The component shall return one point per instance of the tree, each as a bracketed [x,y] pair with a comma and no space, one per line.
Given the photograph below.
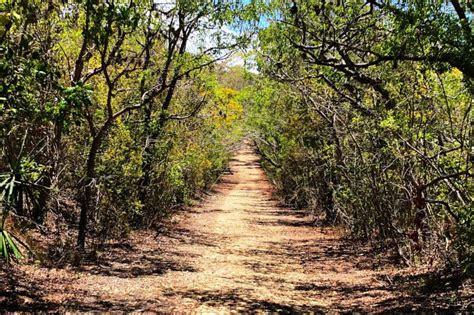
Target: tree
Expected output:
[183,26]
[373,83]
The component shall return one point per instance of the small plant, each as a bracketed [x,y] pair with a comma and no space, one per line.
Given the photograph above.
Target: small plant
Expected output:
[13,184]
[8,246]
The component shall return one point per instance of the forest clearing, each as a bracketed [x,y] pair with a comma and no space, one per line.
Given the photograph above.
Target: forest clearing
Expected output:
[237,156]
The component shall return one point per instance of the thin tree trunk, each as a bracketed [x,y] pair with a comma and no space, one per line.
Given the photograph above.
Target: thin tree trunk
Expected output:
[152,136]
[328,200]
[19,197]
[85,190]
[147,160]
[39,208]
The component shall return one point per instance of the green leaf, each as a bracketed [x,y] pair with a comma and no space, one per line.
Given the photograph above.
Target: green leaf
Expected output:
[12,186]
[13,246]
[4,246]
[1,242]
[5,181]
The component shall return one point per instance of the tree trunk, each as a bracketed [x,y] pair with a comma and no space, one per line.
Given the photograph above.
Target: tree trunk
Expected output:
[327,199]
[85,191]
[39,209]
[18,193]
[147,161]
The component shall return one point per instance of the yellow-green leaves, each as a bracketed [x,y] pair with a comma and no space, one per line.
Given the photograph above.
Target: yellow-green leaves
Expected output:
[389,122]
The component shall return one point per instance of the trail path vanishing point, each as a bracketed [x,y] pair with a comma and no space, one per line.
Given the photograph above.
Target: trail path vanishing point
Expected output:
[237,251]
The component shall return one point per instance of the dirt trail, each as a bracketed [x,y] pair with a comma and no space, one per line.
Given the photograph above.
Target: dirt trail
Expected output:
[237,251]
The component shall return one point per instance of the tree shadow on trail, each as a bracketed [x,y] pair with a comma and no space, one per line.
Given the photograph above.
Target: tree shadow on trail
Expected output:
[129,264]
[243,302]
[439,291]
[289,212]
[330,253]
[16,288]
[21,293]
[17,303]
[246,164]
[149,255]
[145,255]
[287,222]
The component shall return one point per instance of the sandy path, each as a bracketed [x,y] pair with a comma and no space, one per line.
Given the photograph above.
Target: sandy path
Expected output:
[264,257]
[236,252]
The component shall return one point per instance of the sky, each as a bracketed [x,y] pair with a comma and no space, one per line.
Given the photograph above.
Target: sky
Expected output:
[206,39]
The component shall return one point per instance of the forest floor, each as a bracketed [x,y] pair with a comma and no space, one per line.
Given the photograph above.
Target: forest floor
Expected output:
[237,251]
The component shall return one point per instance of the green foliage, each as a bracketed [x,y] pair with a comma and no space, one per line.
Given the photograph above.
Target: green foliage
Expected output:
[8,247]
[105,107]
[122,111]
[370,121]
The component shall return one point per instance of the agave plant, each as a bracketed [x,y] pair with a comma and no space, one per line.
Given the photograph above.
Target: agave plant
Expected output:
[13,183]
[8,243]
[8,246]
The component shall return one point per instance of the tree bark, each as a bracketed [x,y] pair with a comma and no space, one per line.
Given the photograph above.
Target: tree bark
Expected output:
[85,189]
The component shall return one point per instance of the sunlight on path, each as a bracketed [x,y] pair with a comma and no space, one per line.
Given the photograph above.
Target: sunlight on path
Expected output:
[237,251]
[249,254]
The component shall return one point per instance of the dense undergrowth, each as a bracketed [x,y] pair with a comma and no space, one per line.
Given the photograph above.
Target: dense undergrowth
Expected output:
[112,113]
[365,113]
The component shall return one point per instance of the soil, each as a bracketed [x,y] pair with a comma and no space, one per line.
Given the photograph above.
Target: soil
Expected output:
[237,251]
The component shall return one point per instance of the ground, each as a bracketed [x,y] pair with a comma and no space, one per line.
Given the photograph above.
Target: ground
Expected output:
[237,251]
